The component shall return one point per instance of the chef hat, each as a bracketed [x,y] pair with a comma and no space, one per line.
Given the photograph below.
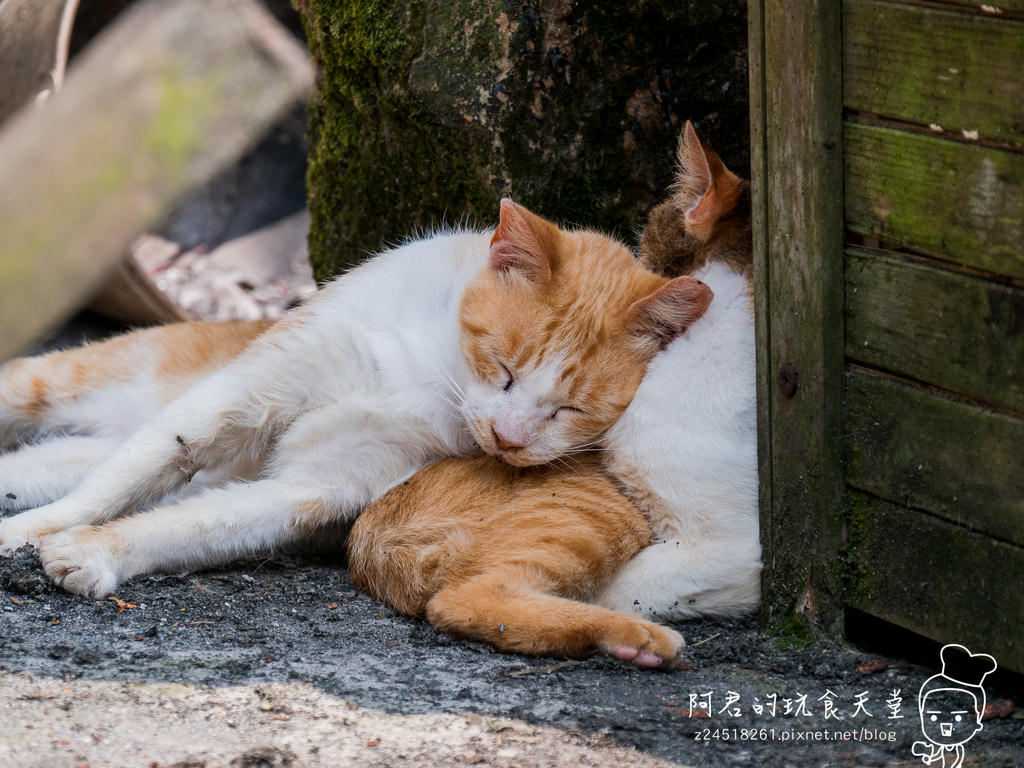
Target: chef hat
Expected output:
[961,669]
[964,667]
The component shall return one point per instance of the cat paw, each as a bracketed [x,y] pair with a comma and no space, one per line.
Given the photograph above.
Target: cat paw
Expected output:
[14,535]
[642,643]
[80,560]
[31,526]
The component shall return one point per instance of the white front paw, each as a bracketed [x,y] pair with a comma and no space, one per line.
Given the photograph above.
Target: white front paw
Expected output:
[80,560]
[29,527]
[15,534]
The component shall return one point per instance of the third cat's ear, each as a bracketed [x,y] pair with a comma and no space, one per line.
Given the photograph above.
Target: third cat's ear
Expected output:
[710,188]
[670,310]
[523,243]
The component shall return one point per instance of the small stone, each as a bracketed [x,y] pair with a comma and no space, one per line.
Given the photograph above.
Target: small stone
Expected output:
[872,666]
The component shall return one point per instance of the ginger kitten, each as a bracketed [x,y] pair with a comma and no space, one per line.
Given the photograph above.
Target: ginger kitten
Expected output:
[424,352]
[510,557]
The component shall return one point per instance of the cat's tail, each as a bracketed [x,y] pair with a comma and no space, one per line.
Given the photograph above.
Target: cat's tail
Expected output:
[120,381]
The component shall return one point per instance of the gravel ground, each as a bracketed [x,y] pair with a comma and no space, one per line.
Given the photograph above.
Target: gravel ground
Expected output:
[283,663]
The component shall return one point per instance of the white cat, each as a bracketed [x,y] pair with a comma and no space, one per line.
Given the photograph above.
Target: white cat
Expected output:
[685,449]
[399,363]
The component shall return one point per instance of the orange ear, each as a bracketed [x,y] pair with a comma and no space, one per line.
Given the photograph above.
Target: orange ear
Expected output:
[523,242]
[671,309]
[703,177]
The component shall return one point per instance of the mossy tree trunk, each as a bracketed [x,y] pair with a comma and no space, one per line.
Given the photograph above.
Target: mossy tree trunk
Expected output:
[429,111]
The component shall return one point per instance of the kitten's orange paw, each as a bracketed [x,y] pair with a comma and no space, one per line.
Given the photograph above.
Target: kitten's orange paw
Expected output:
[643,643]
[80,561]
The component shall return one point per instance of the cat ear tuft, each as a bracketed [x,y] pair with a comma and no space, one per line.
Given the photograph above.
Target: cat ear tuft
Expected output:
[522,243]
[702,179]
[693,174]
[671,309]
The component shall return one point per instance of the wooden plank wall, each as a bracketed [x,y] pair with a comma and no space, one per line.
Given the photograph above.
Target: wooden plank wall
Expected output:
[933,135]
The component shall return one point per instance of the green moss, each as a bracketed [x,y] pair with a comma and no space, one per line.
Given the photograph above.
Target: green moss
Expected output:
[178,127]
[794,631]
[857,576]
[429,112]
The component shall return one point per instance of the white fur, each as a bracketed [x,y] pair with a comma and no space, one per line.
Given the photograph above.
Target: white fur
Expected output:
[38,474]
[338,404]
[685,451]
[523,412]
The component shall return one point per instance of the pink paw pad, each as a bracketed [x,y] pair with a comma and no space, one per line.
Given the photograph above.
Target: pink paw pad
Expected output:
[625,653]
[647,660]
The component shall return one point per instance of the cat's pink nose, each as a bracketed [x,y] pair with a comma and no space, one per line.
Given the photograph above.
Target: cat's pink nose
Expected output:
[503,442]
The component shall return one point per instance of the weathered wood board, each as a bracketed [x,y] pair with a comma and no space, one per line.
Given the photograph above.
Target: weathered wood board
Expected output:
[937,579]
[798,273]
[762,313]
[160,102]
[924,450]
[944,198]
[918,64]
[998,8]
[953,330]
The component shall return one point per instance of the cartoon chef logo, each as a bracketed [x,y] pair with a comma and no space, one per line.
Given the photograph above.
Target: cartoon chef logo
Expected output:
[951,704]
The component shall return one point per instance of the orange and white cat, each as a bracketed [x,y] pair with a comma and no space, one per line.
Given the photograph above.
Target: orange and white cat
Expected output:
[513,557]
[527,343]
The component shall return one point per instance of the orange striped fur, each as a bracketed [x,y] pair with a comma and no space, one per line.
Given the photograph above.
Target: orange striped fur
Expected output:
[505,555]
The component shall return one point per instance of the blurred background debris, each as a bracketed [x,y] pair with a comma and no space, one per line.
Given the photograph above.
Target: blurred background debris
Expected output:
[234,247]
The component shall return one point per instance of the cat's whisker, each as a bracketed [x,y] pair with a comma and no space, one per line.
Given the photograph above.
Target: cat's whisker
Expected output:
[451,408]
[454,405]
[597,441]
[567,465]
[449,379]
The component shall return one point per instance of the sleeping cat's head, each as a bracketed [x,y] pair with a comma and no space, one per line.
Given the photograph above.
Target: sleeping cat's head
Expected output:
[558,331]
[705,218]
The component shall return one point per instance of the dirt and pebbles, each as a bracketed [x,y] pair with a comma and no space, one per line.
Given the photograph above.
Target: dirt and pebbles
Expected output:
[281,663]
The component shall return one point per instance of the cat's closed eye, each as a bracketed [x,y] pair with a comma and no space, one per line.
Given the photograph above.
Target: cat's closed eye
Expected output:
[565,410]
[509,378]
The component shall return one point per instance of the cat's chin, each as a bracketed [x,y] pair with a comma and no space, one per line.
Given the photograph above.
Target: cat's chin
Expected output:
[518,458]
[504,458]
